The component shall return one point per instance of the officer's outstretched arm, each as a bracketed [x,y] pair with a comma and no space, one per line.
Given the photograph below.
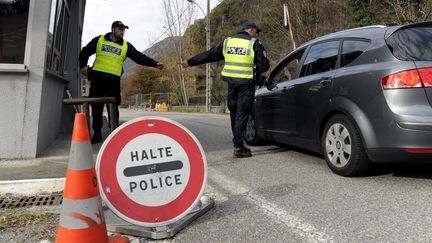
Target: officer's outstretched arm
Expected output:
[140,58]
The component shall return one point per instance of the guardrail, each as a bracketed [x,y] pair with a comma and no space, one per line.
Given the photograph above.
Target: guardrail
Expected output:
[199,108]
[191,108]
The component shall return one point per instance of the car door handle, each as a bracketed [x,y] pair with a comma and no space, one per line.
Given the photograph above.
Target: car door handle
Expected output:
[325,81]
[287,88]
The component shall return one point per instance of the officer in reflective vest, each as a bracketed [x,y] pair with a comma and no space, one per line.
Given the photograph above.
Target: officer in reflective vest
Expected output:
[245,60]
[111,51]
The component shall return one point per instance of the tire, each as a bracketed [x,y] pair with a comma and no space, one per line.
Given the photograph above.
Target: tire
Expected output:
[342,147]
[251,134]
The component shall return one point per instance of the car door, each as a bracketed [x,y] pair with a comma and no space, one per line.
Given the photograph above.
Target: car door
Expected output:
[285,75]
[266,106]
[312,91]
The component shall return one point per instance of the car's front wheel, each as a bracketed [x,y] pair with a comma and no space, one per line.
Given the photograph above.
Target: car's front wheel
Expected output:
[251,136]
[343,148]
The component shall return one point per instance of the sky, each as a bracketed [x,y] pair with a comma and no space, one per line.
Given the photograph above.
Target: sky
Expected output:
[144,18]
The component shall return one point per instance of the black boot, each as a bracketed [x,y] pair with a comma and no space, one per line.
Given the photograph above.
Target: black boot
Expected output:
[97,137]
[242,152]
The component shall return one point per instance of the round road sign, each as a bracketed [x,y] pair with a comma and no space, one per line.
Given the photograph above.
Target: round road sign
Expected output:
[151,171]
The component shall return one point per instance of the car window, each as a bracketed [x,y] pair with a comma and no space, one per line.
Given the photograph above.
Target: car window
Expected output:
[411,44]
[322,57]
[288,69]
[351,49]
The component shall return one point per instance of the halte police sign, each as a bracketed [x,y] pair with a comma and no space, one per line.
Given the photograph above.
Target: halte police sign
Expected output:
[152,171]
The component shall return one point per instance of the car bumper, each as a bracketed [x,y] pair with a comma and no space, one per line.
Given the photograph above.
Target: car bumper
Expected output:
[405,155]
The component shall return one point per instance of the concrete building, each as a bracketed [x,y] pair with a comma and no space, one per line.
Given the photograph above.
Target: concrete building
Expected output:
[40,41]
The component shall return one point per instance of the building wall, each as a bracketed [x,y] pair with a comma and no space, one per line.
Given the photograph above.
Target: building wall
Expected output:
[31,100]
[12,105]
[53,86]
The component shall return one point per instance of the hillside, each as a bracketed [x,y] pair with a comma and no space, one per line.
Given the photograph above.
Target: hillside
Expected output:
[310,19]
[155,52]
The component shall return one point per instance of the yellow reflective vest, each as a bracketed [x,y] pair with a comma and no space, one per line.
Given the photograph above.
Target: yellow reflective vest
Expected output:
[110,56]
[239,58]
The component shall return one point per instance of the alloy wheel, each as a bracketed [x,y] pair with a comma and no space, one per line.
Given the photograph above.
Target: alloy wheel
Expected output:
[250,129]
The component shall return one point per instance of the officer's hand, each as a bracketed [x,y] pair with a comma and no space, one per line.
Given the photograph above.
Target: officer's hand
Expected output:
[84,71]
[270,86]
[185,64]
[159,65]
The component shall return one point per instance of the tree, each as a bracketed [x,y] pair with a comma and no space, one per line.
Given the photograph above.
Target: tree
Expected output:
[362,13]
[408,11]
[178,15]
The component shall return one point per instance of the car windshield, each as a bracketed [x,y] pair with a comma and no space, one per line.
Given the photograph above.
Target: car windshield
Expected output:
[412,44]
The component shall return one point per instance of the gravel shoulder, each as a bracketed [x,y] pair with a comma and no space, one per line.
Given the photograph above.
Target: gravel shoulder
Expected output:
[29,224]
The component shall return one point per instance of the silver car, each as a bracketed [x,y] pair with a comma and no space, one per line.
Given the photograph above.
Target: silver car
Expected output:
[357,96]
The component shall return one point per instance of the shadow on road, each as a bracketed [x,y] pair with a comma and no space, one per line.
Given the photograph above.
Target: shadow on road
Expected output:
[408,170]
[271,150]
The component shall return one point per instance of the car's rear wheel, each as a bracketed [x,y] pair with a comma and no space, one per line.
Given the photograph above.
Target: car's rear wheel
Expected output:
[343,148]
[251,136]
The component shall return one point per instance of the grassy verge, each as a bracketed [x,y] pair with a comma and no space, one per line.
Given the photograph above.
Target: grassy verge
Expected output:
[25,225]
[20,218]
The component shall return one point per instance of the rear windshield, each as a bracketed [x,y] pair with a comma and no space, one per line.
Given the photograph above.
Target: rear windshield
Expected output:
[412,44]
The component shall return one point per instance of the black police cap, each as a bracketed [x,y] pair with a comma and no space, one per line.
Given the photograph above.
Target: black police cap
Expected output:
[250,25]
[119,24]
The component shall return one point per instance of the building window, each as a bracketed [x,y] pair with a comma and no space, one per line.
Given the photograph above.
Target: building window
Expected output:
[58,36]
[13,30]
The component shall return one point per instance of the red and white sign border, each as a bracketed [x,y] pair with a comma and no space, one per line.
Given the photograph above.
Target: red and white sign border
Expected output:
[109,141]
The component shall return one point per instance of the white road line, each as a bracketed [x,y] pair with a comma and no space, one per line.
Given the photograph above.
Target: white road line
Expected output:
[301,228]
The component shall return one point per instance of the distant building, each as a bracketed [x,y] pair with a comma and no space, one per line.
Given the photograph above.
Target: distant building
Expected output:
[40,41]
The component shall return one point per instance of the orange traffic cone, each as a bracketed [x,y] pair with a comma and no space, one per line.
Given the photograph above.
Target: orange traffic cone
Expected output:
[82,218]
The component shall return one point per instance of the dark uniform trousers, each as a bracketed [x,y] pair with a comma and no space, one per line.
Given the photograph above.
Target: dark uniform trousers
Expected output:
[102,87]
[240,101]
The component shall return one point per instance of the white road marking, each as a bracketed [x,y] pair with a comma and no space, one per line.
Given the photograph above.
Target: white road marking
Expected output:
[301,228]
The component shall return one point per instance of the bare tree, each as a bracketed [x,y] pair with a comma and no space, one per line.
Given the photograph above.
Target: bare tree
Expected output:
[410,11]
[178,16]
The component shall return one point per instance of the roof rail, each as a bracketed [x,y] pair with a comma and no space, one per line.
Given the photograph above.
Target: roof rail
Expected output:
[361,28]
[342,31]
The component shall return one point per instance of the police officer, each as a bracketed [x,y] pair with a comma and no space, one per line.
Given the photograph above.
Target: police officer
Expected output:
[245,60]
[111,51]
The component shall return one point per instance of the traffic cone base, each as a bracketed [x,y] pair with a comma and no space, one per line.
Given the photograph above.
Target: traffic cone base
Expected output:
[118,239]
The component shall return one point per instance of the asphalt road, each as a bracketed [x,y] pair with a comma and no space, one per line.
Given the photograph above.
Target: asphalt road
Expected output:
[283,194]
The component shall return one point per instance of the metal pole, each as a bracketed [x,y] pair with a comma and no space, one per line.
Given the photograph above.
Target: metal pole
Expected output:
[208,67]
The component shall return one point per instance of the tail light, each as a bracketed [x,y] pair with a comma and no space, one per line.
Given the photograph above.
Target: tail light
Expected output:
[419,150]
[415,78]
[426,76]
